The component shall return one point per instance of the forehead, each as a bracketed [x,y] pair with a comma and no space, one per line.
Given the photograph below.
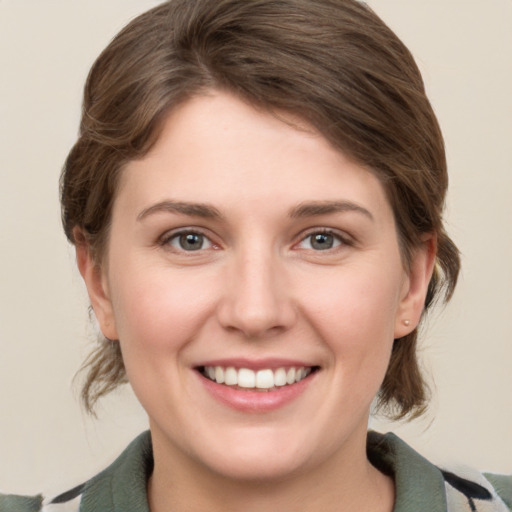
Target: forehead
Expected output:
[218,149]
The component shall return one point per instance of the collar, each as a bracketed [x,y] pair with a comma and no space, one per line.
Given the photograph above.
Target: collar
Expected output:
[419,485]
[122,486]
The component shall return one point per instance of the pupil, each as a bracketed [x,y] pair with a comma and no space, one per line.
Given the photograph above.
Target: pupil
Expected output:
[322,241]
[191,241]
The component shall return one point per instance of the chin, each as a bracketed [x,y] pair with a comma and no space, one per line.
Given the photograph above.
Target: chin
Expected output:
[259,469]
[257,457]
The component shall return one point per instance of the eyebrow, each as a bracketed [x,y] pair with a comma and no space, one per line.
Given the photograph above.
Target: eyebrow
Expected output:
[315,208]
[308,209]
[192,209]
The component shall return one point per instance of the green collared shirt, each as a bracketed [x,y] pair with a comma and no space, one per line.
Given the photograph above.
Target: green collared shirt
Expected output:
[420,486]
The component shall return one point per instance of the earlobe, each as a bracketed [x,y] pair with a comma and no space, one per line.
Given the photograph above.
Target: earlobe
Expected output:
[416,286]
[97,289]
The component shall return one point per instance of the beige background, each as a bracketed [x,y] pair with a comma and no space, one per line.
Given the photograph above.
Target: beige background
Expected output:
[46,47]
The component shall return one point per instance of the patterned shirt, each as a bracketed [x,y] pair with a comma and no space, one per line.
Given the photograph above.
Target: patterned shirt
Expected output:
[420,486]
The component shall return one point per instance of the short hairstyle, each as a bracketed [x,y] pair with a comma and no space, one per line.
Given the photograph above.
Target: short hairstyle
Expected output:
[333,63]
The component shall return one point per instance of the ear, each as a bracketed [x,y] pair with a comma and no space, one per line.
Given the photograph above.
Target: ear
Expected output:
[415,287]
[97,288]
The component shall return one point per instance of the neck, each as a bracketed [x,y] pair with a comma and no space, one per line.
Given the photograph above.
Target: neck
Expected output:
[334,486]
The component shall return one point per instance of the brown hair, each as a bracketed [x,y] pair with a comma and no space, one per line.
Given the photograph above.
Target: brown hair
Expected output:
[332,62]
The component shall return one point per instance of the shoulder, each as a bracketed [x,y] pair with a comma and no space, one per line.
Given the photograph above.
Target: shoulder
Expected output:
[422,486]
[66,502]
[477,491]
[119,488]
[15,503]
[503,486]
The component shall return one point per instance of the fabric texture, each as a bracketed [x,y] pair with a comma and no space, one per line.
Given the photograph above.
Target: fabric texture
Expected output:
[420,486]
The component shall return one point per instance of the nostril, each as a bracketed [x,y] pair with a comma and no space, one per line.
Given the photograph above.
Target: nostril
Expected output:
[256,300]
[256,325]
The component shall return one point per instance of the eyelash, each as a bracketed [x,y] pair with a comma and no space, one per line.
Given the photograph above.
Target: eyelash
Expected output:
[338,240]
[165,241]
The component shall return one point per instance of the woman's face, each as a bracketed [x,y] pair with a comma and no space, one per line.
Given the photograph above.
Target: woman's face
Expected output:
[246,249]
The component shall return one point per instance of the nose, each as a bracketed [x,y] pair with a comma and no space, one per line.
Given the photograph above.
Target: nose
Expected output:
[257,299]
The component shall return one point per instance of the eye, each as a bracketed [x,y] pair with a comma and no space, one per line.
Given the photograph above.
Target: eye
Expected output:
[188,241]
[321,241]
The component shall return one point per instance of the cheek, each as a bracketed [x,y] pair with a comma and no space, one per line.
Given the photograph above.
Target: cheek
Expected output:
[354,315]
[160,311]
[353,304]
[157,315]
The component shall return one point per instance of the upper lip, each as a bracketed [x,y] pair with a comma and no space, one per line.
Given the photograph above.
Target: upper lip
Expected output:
[256,364]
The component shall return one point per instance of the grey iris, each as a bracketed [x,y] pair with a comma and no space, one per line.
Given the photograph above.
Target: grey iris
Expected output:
[322,241]
[191,241]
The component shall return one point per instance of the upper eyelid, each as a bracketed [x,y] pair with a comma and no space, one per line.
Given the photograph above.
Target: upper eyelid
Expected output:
[342,235]
[172,233]
[184,229]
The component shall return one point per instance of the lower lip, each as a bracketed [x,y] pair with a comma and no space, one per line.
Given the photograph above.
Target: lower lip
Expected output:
[256,401]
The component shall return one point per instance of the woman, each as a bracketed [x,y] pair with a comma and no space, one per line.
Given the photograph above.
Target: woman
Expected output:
[255,199]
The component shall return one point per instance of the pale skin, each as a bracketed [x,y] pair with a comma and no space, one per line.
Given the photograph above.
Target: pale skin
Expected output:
[243,237]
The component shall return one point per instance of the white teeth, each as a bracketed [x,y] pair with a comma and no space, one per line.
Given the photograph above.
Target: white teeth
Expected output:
[246,378]
[261,379]
[265,379]
[290,376]
[231,376]
[280,377]
[219,374]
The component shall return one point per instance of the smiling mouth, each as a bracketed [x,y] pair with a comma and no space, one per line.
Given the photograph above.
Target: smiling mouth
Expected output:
[260,380]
